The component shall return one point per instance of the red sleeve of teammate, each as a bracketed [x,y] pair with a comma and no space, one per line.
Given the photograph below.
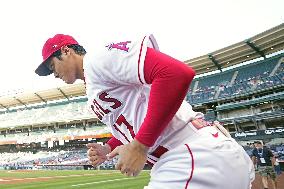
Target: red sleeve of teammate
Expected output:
[170,79]
[113,143]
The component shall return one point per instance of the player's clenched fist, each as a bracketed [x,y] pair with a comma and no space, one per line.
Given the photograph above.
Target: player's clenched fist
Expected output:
[97,153]
[132,158]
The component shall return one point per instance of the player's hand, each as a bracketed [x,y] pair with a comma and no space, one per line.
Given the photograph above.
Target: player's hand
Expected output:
[97,153]
[132,158]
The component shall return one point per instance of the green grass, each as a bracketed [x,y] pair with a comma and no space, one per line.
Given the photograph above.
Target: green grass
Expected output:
[82,179]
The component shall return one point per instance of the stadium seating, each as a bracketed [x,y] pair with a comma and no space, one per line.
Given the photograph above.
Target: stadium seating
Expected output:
[264,68]
[250,77]
[48,114]
[201,96]
[220,79]
[60,134]
[271,81]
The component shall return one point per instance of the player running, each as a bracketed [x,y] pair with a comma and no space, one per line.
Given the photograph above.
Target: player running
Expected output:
[139,93]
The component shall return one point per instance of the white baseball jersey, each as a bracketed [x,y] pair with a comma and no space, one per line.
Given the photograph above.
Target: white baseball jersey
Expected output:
[118,95]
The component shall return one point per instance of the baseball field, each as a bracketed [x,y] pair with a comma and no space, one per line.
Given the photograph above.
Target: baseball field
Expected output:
[83,179]
[41,179]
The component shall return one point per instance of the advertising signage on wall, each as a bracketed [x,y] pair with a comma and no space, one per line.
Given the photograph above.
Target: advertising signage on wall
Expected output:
[267,132]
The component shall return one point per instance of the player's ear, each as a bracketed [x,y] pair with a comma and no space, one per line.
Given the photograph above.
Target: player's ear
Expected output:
[65,50]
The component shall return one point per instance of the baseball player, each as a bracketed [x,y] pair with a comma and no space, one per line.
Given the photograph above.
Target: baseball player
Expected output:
[139,93]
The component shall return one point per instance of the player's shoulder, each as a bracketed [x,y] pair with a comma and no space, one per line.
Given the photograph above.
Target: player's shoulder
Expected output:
[116,53]
[125,41]
[116,47]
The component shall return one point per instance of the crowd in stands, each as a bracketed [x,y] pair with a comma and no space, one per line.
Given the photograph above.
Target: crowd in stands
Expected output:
[255,76]
[29,160]
[41,136]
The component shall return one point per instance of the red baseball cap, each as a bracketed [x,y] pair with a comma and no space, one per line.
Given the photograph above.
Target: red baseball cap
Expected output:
[52,45]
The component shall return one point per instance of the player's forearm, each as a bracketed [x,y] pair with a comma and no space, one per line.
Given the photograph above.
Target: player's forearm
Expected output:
[170,80]
[113,143]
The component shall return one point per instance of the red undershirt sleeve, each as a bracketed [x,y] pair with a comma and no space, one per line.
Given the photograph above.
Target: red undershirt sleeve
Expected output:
[113,143]
[170,79]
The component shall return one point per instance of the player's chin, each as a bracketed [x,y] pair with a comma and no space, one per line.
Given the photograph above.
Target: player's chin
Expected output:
[69,81]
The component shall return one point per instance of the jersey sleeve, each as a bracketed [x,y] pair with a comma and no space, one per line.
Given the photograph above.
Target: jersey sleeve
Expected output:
[113,143]
[162,71]
[122,62]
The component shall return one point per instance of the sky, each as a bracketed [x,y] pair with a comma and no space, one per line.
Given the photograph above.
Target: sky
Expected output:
[184,29]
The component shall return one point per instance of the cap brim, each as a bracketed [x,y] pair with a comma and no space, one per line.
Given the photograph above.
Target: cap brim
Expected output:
[42,70]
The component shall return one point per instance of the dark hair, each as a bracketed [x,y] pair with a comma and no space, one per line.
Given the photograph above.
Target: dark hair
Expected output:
[258,142]
[77,48]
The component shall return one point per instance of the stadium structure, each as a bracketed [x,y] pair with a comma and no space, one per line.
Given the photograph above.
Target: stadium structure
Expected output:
[241,86]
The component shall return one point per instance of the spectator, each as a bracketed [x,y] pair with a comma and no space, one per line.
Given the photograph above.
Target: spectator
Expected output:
[265,160]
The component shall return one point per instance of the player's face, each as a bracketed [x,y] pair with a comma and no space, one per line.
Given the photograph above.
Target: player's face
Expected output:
[65,68]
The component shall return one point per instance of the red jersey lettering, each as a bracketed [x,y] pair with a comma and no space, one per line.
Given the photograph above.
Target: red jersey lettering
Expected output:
[106,111]
[104,97]
[122,121]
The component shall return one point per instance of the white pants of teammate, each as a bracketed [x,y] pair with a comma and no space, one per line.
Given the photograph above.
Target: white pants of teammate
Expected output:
[205,162]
